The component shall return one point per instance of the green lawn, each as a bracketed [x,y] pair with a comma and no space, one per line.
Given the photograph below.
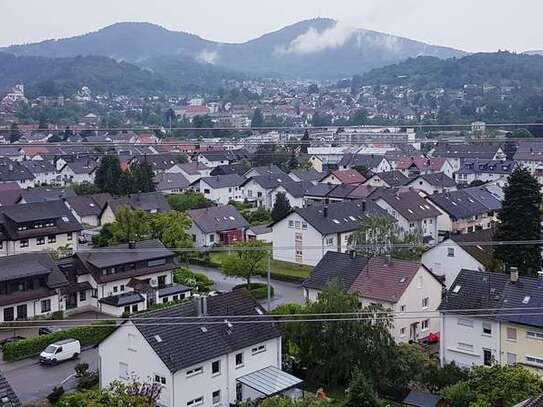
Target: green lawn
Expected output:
[280,270]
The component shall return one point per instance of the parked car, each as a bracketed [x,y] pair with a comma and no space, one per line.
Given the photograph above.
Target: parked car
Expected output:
[60,351]
[10,340]
[46,330]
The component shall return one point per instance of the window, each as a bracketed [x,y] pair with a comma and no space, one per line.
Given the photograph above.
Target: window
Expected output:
[450,251]
[420,282]
[425,324]
[206,191]
[297,224]
[402,332]
[511,334]
[425,302]
[121,287]
[115,289]
[456,288]
[82,296]
[532,360]
[299,237]
[123,370]
[132,342]
[157,262]
[135,308]
[291,224]
[193,238]
[402,308]
[465,322]
[239,359]
[534,335]
[127,309]
[196,402]
[329,241]
[165,300]
[23,243]
[45,305]
[487,328]
[487,357]
[258,349]
[216,367]
[216,396]
[304,225]
[175,298]
[212,238]
[40,241]
[465,346]
[195,371]
[511,359]
[52,238]
[69,236]
[160,379]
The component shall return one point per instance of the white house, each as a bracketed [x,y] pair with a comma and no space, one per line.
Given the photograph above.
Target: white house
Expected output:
[259,189]
[44,171]
[224,358]
[388,179]
[79,171]
[221,224]
[433,183]
[14,171]
[306,234]
[485,171]
[295,192]
[458,252]
[399,285]
[192,171]
[372,162]
[221,189]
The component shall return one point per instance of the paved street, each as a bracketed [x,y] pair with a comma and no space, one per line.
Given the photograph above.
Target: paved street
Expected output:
[285,292]
[33,382]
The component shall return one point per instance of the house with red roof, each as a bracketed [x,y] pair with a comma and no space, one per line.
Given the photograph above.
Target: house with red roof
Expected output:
[415,166]
[349,177]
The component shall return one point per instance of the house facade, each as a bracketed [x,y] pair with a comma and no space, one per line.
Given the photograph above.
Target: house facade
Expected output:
[219,225]
[221,189]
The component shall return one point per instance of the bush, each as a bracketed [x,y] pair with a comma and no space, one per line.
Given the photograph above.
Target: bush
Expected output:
[81,369]
[56,394]
[259,291]
[198,281]
[88,380]
[86,335]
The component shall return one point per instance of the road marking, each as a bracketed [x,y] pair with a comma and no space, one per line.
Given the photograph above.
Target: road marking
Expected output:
[68,378]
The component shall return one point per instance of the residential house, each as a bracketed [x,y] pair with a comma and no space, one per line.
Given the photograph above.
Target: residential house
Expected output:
[414,215]
[37,226]
[485,171]
[45,173]
[456,153]
[160,163]
[500,336]
[306,234]
[227,169]
[261,232]
[371,162]
[221,189]
[40,194]
[310,175]
[295,192]
[259,189]
[350,177]
[30,286]
[192,171]
[529,155]
[14,171]
[125,278]
[171,182]
[87,209]
[228,362]
[465,210]
[78,171]
[214,158]
[433,183]
[415,166]
[264,170]
[318,193]
[217,225]
[399,285]
[151,202]
[387,179]
[470,251]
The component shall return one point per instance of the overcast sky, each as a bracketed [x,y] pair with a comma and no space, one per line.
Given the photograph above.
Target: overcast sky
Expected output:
[471,25]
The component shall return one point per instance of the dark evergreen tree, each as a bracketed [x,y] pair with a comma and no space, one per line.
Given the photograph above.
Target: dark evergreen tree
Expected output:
[108,174]
[124,186]
[258,118]
[14,133]
[306,142]
[281,208]
[520,220]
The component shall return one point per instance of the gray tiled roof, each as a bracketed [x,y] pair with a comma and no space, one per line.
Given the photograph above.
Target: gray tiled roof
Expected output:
[483,253]
[393,178]
[82,166]
[335,267]
[267,170]
[363,160]
[87,205]
[148,201]
[31,264]
[13,171]
[410,205]
[121,300]
[224,181]
[297,189]
[217,218]
[437,179]
[181,346]
[7,393]
[462,204]
[39,166]
[494,292]
[308,175]
[44,194]
[481,150]
[319,190]
[193,168]
[174,289]
[170,180]
[529,151]
[486,166]
[270,181]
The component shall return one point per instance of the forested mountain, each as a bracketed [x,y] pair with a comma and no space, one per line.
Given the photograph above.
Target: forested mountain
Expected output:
[497,69]
[319,49]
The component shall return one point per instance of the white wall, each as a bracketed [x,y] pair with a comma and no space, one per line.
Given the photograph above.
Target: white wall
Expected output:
[453,333]
[33,307]
[221,195]
[14,246]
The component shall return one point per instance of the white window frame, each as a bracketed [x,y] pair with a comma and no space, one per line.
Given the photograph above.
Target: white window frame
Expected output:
[198,401]
[195,371]
[465,322]
[123,371]
[258,349]
[242,360]
[425,302]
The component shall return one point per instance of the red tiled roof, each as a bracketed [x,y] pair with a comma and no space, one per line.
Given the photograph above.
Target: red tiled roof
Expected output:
[385,282]
[349,176]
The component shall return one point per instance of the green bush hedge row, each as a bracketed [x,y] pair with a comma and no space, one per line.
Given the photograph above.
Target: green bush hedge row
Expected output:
[259,291]
[87,335]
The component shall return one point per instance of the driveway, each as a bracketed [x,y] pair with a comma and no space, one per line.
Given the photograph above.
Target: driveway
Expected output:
[33,382]
[284,292]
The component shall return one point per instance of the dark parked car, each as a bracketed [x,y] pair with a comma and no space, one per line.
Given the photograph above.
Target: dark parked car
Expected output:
[10,340]
[46,330]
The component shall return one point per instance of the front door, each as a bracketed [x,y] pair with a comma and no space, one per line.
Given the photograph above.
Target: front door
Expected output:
[9,315]
[414,331]
[21,312]
[71,301]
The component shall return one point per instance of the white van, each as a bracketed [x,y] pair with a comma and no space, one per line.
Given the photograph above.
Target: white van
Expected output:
[61,350]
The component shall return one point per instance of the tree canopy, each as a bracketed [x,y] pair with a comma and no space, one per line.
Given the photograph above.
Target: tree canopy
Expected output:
[247,261]
[281,207]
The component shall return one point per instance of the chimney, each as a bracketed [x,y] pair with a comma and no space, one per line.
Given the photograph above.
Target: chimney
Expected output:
[325,211]
[514,275]
[203,302]
[131,244]
[200,305]
[388,260]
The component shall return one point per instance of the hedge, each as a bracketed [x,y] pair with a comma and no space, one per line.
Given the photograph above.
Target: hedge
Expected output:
[259,291]
[87,335]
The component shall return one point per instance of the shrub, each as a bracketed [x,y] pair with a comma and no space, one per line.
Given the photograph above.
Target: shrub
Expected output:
[81,369]
[56,394]
[86,335]
[88,381]
[57,315]
[198,281]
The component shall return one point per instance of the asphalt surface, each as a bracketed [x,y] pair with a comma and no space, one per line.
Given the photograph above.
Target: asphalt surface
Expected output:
[32,382]
[284,292]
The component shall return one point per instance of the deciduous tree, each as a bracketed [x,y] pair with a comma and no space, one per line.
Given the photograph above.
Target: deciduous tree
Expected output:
[247,261]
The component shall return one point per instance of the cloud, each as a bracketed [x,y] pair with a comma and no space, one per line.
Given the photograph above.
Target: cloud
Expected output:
[313,41]
[208,57]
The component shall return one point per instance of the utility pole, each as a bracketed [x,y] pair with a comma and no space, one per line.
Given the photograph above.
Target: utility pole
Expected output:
[269,280]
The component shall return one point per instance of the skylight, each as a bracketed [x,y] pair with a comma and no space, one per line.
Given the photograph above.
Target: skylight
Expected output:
[457,288]
[335,221]
[65,219]
[158,338]
[203,329]
[231,218]
[526,300]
